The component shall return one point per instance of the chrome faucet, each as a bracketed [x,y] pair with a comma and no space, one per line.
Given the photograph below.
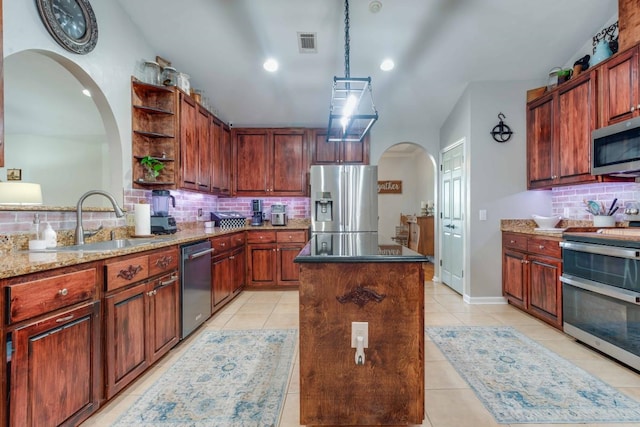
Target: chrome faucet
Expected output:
[80,233]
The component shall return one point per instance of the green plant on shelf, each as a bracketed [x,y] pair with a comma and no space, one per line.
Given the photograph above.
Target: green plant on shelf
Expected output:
[153,166]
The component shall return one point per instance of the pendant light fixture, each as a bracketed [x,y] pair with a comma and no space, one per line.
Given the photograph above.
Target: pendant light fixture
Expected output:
[352,111]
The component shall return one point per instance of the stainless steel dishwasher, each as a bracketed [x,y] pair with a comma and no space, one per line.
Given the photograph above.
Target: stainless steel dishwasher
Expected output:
[195,275]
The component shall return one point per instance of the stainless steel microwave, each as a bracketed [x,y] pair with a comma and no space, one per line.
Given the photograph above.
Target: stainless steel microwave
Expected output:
[615,149]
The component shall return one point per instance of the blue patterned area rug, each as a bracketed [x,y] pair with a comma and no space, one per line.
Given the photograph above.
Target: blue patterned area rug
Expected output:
[225,378]
[519,381]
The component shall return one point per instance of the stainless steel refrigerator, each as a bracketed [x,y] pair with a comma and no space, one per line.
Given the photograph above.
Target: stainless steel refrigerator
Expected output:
[344,199]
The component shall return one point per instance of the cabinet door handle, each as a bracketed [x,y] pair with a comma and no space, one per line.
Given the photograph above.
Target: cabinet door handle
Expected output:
[63,291]
[64,319]
[633,108]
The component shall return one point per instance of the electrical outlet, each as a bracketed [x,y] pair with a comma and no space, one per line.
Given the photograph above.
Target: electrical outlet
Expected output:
[131,220]
[359,329]
[199,212]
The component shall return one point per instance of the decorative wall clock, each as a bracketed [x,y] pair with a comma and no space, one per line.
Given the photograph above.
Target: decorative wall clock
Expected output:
[71,23]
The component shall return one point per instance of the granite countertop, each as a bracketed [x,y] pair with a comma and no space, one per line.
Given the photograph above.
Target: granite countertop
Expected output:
[355,247]
[529,226]
[22,262]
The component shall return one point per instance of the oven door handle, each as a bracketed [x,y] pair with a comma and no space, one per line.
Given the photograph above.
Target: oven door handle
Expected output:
[599,288]
[601,250]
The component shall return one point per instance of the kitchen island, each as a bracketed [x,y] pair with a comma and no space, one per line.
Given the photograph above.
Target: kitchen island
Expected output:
[355,277]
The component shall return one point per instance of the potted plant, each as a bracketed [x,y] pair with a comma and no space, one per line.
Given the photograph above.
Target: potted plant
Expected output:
[153,167]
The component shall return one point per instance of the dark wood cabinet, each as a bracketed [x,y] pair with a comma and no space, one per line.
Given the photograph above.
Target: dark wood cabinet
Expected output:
[221,158]
[559,129]
[222,276]
[142,316]
[55,369]
[270,162]
[227,268]
[270,256]
[195,145]
[619,89]
[331,153]
[53,331]
[154,133]
[531,270]
[203,134]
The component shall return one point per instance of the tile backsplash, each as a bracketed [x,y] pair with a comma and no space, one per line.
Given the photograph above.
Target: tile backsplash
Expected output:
[568,202]
[188,205]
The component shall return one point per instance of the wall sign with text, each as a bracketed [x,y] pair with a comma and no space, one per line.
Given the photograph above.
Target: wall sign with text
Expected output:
[389,187]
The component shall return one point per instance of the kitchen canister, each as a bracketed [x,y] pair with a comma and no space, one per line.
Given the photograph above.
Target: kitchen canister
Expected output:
[183,82]
[151,72]
[604,221]
[169,76]
[602,52]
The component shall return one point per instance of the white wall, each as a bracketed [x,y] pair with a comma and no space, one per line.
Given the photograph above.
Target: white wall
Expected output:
[64,158]
[417,175]
[106,70]
[495,176]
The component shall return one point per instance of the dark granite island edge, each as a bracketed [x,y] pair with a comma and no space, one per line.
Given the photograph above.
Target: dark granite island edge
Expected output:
[355,248]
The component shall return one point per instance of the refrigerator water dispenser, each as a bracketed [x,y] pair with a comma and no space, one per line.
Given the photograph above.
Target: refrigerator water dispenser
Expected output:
[324,207]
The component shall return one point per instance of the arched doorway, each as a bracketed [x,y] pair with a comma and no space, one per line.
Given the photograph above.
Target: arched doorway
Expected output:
[416,169]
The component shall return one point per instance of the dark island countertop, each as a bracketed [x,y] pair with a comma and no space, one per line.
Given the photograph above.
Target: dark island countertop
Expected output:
[355,247]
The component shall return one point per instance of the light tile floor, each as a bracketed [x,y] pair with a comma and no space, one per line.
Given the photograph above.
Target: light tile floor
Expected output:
[449,400]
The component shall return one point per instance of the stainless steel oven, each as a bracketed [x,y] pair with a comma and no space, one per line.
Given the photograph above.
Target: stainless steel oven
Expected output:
[601,295]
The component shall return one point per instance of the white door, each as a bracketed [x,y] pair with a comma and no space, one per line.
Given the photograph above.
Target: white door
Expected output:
[452,216]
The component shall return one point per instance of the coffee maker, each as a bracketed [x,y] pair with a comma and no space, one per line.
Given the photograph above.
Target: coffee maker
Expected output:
[256,212]
[161,222]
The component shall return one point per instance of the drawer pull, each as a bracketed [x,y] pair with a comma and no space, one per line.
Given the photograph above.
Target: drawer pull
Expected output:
[512,241]
[64,319]
[63,291]
[222,244]
[164,261]
[130,272]
[541,247]
[170,281]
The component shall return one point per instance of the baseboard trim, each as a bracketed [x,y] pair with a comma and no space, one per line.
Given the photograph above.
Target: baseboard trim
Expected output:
[484,300]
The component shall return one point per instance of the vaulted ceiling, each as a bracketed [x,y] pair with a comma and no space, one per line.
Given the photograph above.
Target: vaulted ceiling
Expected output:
[438,46]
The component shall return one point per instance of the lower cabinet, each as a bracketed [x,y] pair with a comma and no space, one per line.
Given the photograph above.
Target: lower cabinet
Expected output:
[54,366]
[270,256]
[227,268]
[142,319]
[531,270]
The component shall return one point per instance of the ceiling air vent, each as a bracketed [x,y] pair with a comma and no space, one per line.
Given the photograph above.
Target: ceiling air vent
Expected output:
[307,43]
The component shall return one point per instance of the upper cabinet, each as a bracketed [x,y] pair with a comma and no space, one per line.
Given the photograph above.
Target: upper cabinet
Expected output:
[620,95]
[270,162]
[195,145]
[332,153]
[559,129]
[154,133]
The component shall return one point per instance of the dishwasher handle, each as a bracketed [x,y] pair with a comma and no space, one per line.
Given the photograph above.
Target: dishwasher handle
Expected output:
[201,253]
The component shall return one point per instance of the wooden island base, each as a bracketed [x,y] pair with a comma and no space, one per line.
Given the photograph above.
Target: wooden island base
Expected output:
[388,389]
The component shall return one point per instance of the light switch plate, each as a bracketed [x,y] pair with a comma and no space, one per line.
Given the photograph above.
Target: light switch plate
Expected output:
[359,329]
[131,220]
[483,214]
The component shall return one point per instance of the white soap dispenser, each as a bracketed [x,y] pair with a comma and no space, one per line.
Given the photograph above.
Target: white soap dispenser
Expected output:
[50,236]
[36,240]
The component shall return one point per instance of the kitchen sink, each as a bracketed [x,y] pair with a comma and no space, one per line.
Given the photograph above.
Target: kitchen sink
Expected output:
[107,245]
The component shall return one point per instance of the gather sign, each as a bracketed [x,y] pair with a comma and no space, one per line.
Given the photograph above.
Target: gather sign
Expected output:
[389,187]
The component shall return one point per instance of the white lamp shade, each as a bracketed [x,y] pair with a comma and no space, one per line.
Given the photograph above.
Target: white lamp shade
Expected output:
[20,193]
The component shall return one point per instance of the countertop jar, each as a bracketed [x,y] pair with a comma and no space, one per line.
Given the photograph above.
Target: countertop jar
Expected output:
[169,76]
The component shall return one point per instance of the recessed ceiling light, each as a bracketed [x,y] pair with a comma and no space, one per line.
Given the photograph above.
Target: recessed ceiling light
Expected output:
[270,65]
[387,65]
[86,92]
[375,6]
